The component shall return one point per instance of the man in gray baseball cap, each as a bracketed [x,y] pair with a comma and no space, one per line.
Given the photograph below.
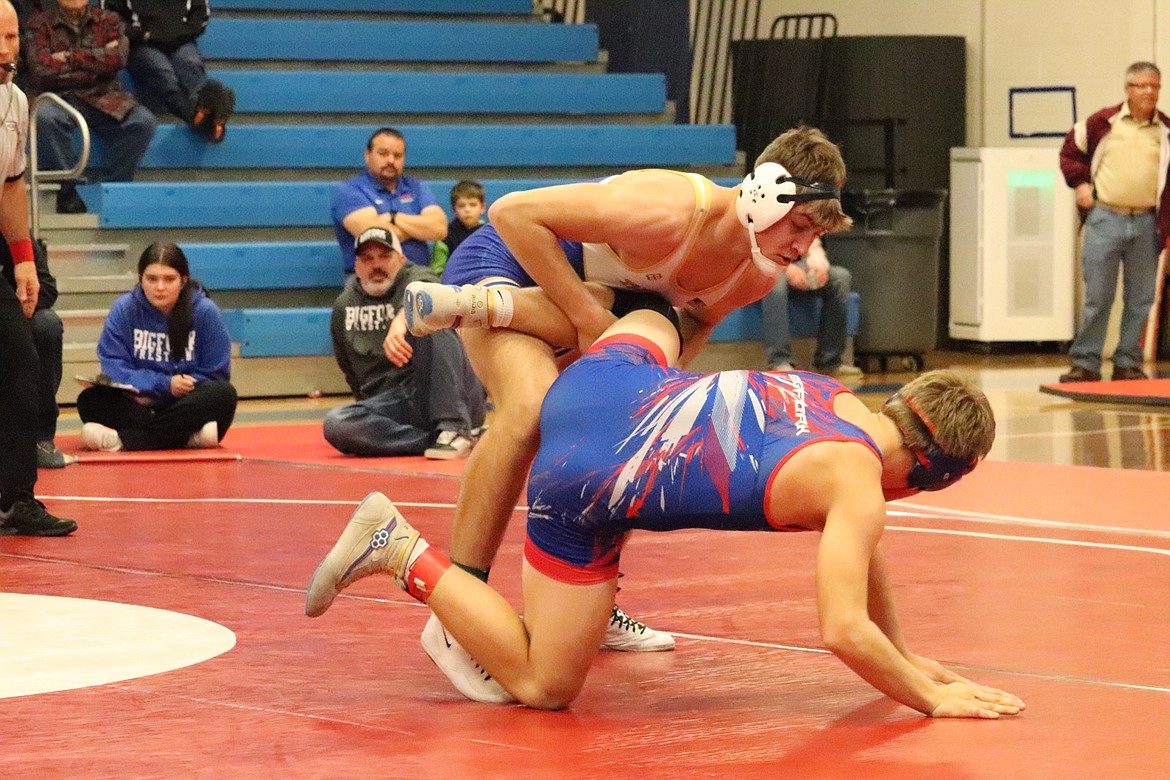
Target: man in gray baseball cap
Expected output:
[414,395]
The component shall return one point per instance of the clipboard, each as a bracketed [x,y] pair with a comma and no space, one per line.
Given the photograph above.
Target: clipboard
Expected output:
[101,380]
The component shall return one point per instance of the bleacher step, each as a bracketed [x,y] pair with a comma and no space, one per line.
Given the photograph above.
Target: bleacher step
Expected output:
[447,146]
[517,7]
[403,93]
[418,41]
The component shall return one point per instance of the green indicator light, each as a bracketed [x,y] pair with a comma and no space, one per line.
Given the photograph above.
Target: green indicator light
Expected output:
[1031,179]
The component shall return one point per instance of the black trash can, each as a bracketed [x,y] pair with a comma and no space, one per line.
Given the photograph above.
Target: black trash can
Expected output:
[893,253]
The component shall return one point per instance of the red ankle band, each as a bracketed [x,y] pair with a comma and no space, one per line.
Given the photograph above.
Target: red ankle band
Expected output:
[423,575]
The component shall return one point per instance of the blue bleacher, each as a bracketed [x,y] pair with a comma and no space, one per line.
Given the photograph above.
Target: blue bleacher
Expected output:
[518,7]
[266,265]
[254,31]
[744,324]
[446,146]
[407,92]
[305,331]
[233,204]
[411,41]
[280,332]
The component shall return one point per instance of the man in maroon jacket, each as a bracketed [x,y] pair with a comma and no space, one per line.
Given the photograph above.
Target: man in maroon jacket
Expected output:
[76,51]
[1116,160]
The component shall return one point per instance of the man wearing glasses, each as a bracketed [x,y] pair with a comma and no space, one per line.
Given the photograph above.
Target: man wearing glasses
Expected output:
[1116,160]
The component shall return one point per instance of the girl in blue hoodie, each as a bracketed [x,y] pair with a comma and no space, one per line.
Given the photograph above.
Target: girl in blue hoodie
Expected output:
[166,345]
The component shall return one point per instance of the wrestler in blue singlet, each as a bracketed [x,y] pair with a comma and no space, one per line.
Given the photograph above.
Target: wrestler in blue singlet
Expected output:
[483,255]
[629,443]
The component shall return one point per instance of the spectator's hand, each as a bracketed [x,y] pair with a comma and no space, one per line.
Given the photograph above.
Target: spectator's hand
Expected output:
[820,273]
[112,44]
[1084,193]
[397,348]
[59,56]
[797,276]
[182,384]
[28,287]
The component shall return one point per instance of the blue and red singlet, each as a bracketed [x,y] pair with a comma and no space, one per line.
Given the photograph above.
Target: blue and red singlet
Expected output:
[629,443]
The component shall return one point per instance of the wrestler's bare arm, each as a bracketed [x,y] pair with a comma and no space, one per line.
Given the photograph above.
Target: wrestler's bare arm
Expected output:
[642,214]
[854,521]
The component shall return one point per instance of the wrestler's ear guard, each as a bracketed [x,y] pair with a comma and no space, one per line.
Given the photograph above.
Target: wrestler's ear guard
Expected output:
[769,192]
[766,196]
[934,469]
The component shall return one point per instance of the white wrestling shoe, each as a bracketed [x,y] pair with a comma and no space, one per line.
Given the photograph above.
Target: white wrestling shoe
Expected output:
[431,307]
[631,636]
[468,677]
[377,540]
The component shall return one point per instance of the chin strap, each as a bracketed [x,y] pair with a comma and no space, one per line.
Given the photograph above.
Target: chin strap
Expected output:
[767,265]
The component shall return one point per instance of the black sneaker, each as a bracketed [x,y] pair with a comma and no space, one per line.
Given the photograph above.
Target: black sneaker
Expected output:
[30,518]
[69,202]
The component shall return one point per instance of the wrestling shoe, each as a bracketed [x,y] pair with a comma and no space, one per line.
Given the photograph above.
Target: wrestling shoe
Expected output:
[376,540]
[468,677]
[206,438]
[95,436]
[631,636]
[431,307]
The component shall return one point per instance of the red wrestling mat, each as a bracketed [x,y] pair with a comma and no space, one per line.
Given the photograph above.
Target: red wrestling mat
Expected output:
[301,443]
[1152,392]
[1046,580]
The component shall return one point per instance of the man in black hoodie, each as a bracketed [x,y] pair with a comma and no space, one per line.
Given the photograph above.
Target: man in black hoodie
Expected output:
[166,65]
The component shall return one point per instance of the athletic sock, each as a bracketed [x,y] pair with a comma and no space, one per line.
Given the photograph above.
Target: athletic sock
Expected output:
[479,574]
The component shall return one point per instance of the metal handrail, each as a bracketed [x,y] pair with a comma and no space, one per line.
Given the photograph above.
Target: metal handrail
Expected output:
[36,175]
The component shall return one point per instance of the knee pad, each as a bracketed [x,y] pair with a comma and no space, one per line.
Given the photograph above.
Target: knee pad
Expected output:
[626,301]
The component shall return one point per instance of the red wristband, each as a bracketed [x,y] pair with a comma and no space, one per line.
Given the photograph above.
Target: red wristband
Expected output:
[22,251]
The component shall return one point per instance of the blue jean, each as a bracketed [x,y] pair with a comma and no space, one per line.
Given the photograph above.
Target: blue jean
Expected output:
[1114,241]
[167,82]
[442,394]
[48,335]
[123,143]
[831,333]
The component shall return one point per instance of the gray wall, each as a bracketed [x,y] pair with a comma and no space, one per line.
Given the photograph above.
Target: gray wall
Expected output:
[1085,44]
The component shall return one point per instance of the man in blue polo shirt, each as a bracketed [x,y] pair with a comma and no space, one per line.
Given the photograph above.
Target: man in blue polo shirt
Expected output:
[381,196]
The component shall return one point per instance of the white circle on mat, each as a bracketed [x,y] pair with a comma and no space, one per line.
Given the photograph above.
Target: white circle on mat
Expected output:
[51,643]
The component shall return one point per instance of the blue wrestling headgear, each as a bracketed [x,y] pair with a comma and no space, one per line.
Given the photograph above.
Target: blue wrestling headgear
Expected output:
[935,469]
[766,196]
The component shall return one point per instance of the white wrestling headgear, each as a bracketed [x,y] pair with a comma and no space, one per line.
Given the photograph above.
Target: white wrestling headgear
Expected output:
[766,196]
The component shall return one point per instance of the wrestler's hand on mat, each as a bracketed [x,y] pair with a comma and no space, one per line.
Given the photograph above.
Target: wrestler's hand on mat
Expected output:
[964,698]
[970,700]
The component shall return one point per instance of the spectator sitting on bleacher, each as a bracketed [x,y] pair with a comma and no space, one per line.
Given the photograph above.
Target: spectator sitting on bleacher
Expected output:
[166,357]
[811,275]
[415,395]
[76,51]
[381,196]
[166,66]
[468,201]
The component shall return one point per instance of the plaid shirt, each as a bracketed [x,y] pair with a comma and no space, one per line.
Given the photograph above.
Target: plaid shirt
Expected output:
[90,70]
